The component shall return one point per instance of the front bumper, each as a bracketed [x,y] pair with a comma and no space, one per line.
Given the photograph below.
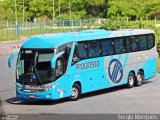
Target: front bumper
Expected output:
[47,95]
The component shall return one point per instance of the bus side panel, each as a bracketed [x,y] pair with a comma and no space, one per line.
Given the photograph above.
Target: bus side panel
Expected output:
[116,69]
[61,87]
[111,70]
[149,65]
[149,68]
[82,78]
[90,73]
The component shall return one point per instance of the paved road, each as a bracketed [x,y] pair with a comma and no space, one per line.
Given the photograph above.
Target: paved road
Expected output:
[144,99]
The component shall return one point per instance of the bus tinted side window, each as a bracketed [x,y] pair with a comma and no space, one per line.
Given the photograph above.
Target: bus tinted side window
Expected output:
[119,45]
[66,47]
[80,52]
[134,46]
[62,61]
[107,47]
[127,45]
[142,43]
[94,49]
[151,41]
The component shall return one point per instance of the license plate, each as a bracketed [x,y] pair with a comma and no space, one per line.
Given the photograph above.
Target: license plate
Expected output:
[32,96]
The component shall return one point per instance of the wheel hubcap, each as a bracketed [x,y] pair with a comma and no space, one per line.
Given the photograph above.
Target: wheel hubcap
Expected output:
[74,92]
[131,80]
[139,78]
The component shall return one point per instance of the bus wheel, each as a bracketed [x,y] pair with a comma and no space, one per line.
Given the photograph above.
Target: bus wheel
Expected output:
[76,92]
[140,78]
[131,80]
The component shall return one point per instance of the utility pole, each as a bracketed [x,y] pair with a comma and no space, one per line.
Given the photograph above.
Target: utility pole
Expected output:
[70,12]
[23,11]
[16,28]
[59,8]
[15,11]
[53,15]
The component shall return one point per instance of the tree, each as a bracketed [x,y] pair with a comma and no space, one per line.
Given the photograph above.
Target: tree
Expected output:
[80,9]
[96,8]
[151,9]
[124,8]
[41,9]
[134,9]
[6,8]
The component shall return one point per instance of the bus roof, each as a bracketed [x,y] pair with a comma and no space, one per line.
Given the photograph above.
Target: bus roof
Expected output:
[55,40]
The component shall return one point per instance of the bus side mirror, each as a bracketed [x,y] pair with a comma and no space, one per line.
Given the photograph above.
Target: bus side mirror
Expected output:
[54,59]
[11,58]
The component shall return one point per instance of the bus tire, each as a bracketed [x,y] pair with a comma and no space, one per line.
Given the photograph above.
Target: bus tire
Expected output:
[139,79]
[76,92]
[131,80]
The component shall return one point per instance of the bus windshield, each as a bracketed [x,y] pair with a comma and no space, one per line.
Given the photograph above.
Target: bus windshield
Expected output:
[34,66]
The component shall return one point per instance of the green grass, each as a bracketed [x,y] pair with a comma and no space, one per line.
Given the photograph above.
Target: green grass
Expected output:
[158,64]
[6,35]
[9,35]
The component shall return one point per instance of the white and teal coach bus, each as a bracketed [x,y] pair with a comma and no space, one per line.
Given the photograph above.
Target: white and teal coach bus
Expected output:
[51,67]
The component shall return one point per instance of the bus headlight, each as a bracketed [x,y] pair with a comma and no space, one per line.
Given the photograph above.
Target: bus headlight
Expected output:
[54,86]
[51,87]
[48,88]
[18,87]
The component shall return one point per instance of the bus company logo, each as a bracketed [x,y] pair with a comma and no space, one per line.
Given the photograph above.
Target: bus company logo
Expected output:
[115,71]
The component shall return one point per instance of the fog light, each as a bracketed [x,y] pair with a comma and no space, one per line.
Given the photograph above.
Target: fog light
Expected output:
[49,95]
